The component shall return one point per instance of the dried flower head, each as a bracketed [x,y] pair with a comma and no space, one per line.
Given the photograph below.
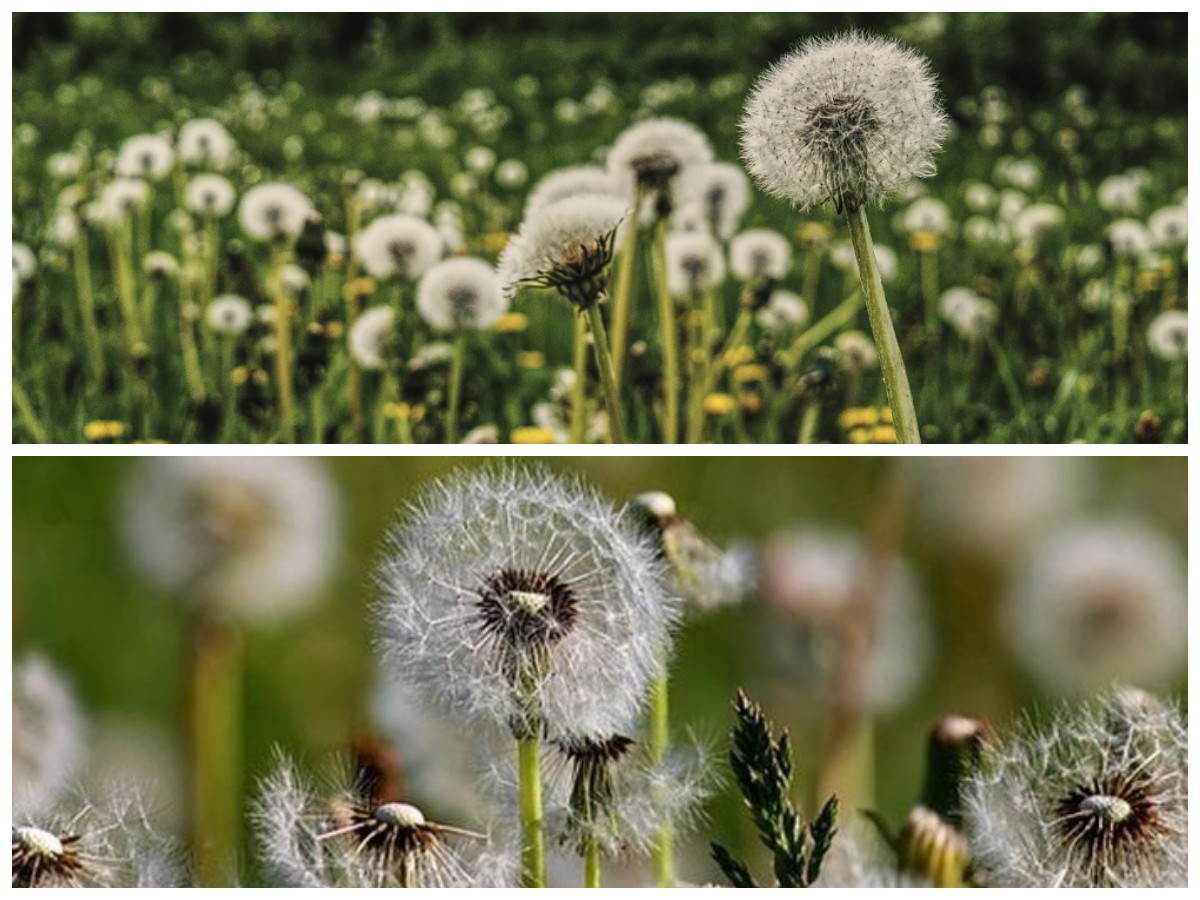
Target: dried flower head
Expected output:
[842,120]
[1097,797]
[273,212]
[654,155]
[205,142]
[760,253]
[515,597]
[47,736]
[210,195]
[1097,601]
[459,294]
[146,156]
[695,262]
[398,246]
[566,245]
[230,314]
[1167,335]
[256,537]
[572,182]
[371,337]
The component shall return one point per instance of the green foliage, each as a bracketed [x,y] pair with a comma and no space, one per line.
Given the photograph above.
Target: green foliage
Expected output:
[762,768]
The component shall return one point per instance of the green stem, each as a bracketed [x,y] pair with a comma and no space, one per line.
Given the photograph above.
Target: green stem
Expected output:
[623,291]
[929,288]
[612,400]
[122,250]
[533,839]
[214,740]
[666,314]
[808,423]
[87,307]
[891,363]
[26,414]
[578,394]
[659,742]
[591,862]
[283,354]
[456,373]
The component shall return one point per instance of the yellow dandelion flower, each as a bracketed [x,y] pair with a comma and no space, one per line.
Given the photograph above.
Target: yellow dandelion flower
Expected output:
[531,434]
[924,241]
[739,356]
[858,417]
[719,404]
[885,414]
[358,288]
[394,410]
[859,436]
[334,329]
[103,430]
[814,233]
[531,359]
[495,241]
[750,373]
[512,323]
[750,404]
[1148,281]
[883,434]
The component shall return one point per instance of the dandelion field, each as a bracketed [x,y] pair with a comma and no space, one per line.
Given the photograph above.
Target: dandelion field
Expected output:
[224,671]
[257,232]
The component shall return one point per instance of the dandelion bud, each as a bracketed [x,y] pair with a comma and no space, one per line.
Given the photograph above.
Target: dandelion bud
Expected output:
[932,849]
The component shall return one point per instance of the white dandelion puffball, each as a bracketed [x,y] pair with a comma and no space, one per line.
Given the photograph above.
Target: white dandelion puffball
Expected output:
[816,577]
[461,293]
[398,246]
[1169,227]
[230,314]
[784,309]
[371,336]
[205,142]
[257,537]
[210,195]
[1167,335]
[843,120]
[1128,238]
[511,173]
[522,599]
[160,264]
[1119,194]
[653,154]
[47,736]
[146,156]
[760,253]
[572,181]
[970,315]
[856,351]
[1037,220]
[566,245]
[722,193]
[1096,796]
[24,262]
[273,212]
[927,214]
[841,256]
[695,262]
[1100,601]
[122,198]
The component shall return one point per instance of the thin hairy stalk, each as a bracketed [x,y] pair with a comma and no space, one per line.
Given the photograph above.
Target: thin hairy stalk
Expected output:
[87,308]
[623,291]
[283,352]
[533,838]
[455,398]
[579,361]
[612,400]
[659,741]
[670,347]
[891,363]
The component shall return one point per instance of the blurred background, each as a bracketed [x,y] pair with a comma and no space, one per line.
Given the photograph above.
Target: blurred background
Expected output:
[969,529]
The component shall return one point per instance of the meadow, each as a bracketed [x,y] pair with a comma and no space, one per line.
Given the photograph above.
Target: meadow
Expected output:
[166,288]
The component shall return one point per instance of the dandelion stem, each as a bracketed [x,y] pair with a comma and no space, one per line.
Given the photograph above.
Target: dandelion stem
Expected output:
[28,417]
[121,243]
[808,423]
[87,307]
[456,373]
[214,740]
[891,363]
[623,291]
[612,400]
[659,743]
[577,390]
[929,289]
[283,352]
[666,308]
[591,862]
[533,840]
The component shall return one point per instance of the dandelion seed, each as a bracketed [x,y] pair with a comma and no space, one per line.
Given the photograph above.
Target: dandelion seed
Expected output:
[371,337]
[210,195]
[695,263]
[459,294]
[845,120]
[1167,335]
[256,537]
[230,314]
[655,155]
[273,212]
[760,253]
[206,142]
[147,156]
[1097,797]
[398,246]
[1096,602]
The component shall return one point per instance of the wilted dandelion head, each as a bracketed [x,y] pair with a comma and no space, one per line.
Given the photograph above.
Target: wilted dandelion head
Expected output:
[721,191]
[651,155]
[398,246]
[256,538]
[146,156]
[372,336]
[273,212]
[1167,335]
[47,736]
[205,142]
[210,195]
[760,253]
[353,838]
[1099,601]
[1097,797]
[566,245]
[230,314]
[785,309]
[695,262]
[842,120]
[459,294]
[516,597]
[572,182]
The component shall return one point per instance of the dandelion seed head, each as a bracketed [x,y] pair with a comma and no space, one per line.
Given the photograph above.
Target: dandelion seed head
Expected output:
[147,156]
[206,142]
[273,212]
[1167,335]
[1036,221]
[856,351]
[760,253]
[844,120]
[255,538]
[372,336]
[720,192]
[461,293]
[210,195]
[1095,797]
[970,315]
[785,309]
[398,246]
[841,256]
[1119,194]
[1100,601]
[122,198]
[926,214]
[230,314]
[48,736]
[24,262]
[1128,238]
[519,598]
[573,181]
[1169,226]
[695,262]
[655,155]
